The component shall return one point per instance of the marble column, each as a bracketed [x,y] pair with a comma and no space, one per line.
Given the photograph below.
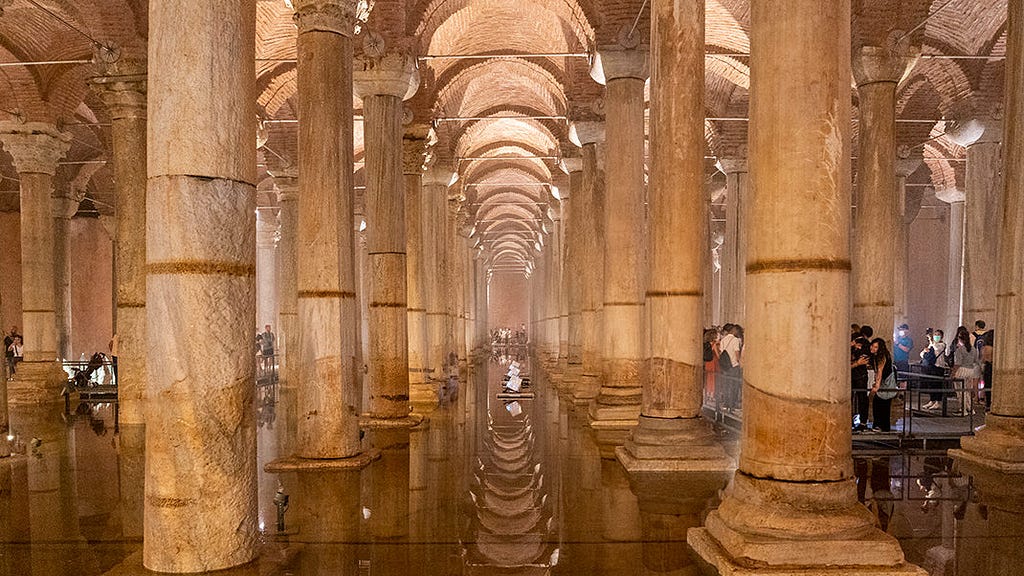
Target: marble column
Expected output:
[907,213]
[792,505]
[414,147]
[36,148]
[123,90]
[671,433]
[877,71]
[435,194]
[591,136]
[573,286]
[617,405]
[733,255]
[267,227]
[999,445]
[201,288]
[382,83]
[981,225]
[286,184]
[65,204]
[955,276]
[327,358]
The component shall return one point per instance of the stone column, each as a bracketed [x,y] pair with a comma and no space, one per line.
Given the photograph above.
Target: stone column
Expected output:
[591,264]
[998,447]
[201,288]
[670,427]
[287,186]
[435,194]
[65,204]
[575,252]
[383,83]
[955,277]
[617,405]
[413,149]
[123,91]
[904,168]
[981,225]
[877,71]
[36,148]
[267,226]
[327,359]
[792,505]
[733,256]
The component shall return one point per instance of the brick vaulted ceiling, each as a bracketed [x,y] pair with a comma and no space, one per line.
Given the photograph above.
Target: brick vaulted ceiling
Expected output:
[500,81]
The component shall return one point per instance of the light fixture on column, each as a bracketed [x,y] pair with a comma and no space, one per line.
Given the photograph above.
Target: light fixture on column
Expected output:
[554,190]
[455,178]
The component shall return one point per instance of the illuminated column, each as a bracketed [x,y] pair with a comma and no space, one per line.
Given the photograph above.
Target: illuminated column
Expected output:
[877,71]
[36,148]
[617,405]
[267,227]
[286,183]
[734,246]
[590,136]
[573,218]
[201,281]
[383,83]
[671,433]
[123,91]
[414,147]
[792,505]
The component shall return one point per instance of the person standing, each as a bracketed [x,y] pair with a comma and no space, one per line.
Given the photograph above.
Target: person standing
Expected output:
[936,349]
[901,350]
[8,351]
[884,386]
[267,347]
[16,350]
[966,366]
[983,341]
[859,358]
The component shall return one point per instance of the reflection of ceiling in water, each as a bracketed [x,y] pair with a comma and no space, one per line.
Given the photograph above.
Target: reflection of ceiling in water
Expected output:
[510,524]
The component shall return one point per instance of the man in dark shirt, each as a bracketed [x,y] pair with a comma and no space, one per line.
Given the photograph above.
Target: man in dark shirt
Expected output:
[901,350]
[859,378]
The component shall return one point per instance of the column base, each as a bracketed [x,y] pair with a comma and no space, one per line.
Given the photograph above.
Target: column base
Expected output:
[997,447]
[673,445]
[613,416]
[297,464]
[37,383]
[368,422]
[423,393]
[796,528]
[586,390]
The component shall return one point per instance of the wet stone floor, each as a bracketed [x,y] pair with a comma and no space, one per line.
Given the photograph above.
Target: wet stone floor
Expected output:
[485,485]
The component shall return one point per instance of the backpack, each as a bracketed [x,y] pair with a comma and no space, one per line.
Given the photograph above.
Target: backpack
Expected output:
[929,358]
[724,362]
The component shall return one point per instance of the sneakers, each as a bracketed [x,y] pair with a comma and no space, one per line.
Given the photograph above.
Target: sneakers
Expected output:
[933,405]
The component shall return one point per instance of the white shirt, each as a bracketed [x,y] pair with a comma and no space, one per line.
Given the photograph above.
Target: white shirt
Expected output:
[731,344]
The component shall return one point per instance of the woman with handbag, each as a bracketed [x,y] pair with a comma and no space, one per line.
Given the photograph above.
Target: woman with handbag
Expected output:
[966,366]
[884,389]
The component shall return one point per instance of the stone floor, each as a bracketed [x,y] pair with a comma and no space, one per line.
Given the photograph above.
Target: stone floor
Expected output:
[484,486]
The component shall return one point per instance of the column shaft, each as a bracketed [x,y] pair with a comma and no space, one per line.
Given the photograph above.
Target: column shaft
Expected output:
[201,289]
[575,252]
[386,244]
[875,227]
[287,272]
[792,504]
[328,395]
[625,266]
[734,248]
[266,270]
[981,232]
[677,238]
[591,272]
[125,97]
[64,207]
[416,280]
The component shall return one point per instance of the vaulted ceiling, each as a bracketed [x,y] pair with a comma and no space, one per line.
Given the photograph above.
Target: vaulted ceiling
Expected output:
[501,80]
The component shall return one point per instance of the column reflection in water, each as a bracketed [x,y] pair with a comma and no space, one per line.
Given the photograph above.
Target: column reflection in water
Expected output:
[388,502]
[326,511]
[991,534]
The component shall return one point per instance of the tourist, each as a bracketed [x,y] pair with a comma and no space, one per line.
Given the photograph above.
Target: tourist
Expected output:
[901,349]
[933,359]
[15,352]
[731,363]
[966,366]
[884,388]
[859,358]
[984,341]
[712,350]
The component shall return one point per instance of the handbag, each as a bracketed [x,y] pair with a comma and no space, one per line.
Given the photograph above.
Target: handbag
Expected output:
[888,389]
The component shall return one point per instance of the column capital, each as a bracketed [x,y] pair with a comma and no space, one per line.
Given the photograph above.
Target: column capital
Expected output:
[438,176]
[732,165]
[573,164]
[907,166]
[873,64]
[267,227]
[392,74]
[950,195]
[415,142]
[337,16]
[35,147]
[614,62]
[587,132]
[286,183]
[122,88]
[66,205]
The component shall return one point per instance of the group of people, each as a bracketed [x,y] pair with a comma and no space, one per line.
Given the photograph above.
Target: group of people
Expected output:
[508,336]
[968,359]
[13,350]
[723,366]
[265,347]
